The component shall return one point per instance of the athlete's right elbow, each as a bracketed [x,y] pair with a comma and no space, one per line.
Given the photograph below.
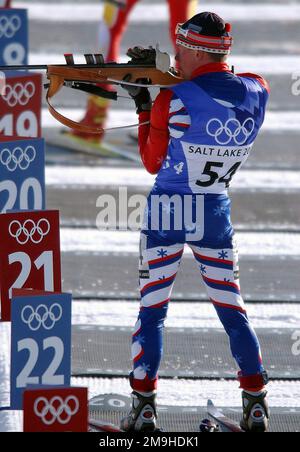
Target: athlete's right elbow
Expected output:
[150,166]
[152,170]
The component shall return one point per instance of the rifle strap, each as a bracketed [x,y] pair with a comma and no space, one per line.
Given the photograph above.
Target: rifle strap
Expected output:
[70,123]
[82,128]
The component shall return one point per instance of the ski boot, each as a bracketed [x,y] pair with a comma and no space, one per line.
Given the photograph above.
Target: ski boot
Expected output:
[208,426]
[143,415]
[256,412]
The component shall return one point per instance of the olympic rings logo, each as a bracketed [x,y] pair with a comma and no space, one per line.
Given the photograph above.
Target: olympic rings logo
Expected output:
[9,26]
[29,231]
[42,316]
[18,158]
[231,130]
[18,94]
[56,409]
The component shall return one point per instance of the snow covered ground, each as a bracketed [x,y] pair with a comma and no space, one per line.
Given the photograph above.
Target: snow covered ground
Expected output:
[175,392]
[72,176]
[183,315]
[158,12]
[279,121]
[172,391]
[250,243]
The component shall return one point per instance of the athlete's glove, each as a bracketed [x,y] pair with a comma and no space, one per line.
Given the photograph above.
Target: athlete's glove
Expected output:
[140,55]
[140,95]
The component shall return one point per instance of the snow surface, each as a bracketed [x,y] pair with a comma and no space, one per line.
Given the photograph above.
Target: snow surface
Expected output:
[183,315]
[249,243]
[171,391]
[157,12]
[175,392]
[73,176]
[279,121]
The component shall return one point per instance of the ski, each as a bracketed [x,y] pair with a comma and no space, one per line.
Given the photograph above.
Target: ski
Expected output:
[226,424]
[101,426]
[107,410]
[63,140]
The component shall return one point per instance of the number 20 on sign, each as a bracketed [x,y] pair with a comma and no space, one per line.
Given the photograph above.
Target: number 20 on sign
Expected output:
[22,175]
[29,254]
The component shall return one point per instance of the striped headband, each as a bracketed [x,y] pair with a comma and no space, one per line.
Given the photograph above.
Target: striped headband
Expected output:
[212,44]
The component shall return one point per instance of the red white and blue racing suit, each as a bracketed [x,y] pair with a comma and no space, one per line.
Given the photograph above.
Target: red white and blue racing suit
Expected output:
[201,132]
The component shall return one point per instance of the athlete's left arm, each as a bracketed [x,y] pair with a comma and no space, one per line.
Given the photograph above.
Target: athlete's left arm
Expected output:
[264,83]
[154,138]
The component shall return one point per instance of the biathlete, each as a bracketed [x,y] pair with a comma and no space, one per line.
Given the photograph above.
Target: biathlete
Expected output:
[200,134]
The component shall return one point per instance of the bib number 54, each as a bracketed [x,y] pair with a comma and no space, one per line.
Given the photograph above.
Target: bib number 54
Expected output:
[215,177]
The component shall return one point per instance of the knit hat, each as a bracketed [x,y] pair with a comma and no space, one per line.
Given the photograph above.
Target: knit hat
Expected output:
[205,31]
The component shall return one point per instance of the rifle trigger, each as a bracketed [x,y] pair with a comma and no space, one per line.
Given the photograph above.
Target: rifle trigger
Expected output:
[69,84]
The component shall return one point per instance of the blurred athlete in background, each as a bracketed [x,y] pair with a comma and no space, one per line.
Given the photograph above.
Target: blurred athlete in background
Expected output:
[115,19]
[5,3]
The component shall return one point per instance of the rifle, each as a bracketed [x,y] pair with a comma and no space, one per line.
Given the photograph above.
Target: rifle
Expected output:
[151,64]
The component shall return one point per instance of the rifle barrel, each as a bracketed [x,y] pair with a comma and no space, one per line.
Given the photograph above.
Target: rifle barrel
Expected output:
[24,68]
[31,67]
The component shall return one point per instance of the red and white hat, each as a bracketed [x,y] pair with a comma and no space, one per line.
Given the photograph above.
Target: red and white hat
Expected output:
[205,31]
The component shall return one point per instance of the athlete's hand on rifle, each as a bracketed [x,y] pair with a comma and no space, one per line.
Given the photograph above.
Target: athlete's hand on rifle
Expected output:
[140,95]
